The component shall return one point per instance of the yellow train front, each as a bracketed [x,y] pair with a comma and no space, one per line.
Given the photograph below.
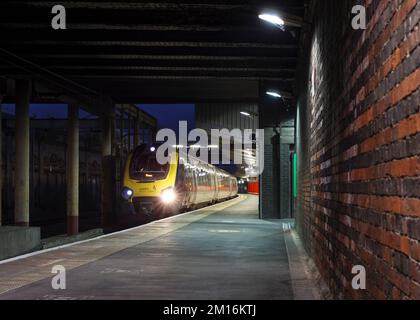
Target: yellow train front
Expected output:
[184,183]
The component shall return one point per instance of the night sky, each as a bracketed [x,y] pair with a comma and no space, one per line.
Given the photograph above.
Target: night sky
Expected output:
[167,115]
[45,111]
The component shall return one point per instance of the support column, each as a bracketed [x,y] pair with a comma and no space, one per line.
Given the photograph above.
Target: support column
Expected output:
[72,170]
[1,161]
[129,130]
[137,130]
[122,143]
[108,171]
[23,90]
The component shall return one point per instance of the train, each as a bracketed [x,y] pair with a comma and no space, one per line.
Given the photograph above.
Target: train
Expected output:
[183,184]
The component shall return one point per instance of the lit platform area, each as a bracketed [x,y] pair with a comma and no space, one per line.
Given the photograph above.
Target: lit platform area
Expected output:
[219,252]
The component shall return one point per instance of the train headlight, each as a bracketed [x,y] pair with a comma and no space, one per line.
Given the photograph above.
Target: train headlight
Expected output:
[168,195]
[127,193]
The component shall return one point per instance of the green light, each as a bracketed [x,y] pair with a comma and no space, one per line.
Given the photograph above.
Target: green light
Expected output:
[294,175]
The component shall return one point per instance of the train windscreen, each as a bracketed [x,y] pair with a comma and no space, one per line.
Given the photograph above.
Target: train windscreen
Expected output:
[145,167]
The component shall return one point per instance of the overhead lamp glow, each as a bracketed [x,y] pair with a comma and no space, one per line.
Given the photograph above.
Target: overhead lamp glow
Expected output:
[271,18]
[245,113]
[273,94]
[152,149]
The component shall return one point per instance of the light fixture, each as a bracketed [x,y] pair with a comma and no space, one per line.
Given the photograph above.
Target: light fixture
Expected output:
[198,146]
[245,113]
[273,94]
[152,149]
[272,18]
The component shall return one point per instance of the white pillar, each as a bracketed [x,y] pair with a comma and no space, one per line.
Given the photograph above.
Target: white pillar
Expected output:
[72,170]
[108,171]
[23,90]
[1,161]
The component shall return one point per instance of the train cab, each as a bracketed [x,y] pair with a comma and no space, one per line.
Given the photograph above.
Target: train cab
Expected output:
[183,183]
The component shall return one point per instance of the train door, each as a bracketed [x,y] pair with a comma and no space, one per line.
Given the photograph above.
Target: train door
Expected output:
[209,184]
[181,185]
[196,186]
[201,192]
[190,186]
[213,179]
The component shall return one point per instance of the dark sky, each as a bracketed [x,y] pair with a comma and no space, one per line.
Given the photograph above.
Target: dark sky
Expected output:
[45,111]
[167,115]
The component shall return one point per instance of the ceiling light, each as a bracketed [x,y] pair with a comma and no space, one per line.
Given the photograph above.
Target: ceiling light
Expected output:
[271,18]
[273,94]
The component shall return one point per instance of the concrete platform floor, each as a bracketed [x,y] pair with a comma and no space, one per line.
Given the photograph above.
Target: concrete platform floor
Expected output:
[219,252]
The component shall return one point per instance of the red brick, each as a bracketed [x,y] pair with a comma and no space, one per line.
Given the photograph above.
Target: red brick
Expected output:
[415,291]
[354,203]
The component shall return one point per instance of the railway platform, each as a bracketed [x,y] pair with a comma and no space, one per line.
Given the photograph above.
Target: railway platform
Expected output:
[218,252]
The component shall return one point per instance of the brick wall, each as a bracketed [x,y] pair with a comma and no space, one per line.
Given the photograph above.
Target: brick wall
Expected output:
[358,145]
